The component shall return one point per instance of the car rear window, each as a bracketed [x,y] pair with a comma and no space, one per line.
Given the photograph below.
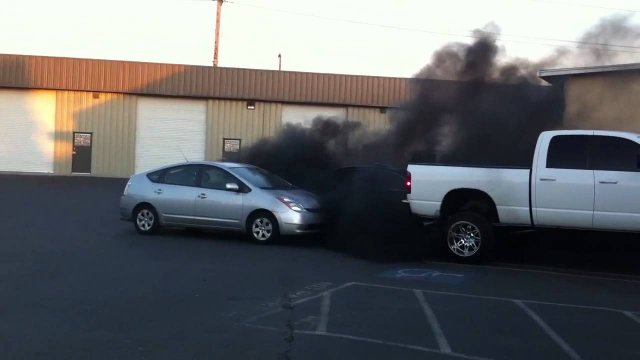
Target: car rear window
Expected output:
[155,176]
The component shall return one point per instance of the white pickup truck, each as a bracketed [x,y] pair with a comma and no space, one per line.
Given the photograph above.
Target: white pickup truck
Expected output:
[580,179]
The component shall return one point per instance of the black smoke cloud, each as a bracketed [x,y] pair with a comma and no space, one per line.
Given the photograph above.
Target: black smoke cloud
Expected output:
[472,105]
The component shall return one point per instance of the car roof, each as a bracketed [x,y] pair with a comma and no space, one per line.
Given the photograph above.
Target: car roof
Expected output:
[222,164]
[372,167]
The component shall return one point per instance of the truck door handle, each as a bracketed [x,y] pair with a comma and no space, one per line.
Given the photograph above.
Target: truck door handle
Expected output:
[202,196]
[608,181]
[547,179]
[158,191]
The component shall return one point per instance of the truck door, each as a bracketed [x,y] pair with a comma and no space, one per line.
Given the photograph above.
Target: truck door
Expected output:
[616,164]
[564,183]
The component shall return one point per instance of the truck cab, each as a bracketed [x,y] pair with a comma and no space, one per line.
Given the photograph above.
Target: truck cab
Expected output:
[579,179]
[587,180]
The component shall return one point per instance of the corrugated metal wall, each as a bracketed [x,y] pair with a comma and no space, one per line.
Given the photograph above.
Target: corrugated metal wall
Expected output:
[112,120]
[605,101]
[370,118]
[232,119]
[24,71]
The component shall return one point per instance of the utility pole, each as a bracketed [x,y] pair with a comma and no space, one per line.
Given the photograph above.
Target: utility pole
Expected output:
[217,44]
[279,62]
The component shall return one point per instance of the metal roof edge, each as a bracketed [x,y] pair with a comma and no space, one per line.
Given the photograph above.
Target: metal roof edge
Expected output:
[552,75]
[223,68]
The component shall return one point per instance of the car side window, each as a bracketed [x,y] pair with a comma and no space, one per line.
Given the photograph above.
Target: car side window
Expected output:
[215,178]
[612,153]
[568,152]
[185,175]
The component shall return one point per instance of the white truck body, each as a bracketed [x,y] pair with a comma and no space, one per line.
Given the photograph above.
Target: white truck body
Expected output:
[589,180]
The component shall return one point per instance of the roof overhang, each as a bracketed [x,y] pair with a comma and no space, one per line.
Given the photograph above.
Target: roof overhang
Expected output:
[559,76]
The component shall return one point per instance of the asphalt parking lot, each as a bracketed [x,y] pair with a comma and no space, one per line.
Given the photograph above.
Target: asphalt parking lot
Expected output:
[76,282]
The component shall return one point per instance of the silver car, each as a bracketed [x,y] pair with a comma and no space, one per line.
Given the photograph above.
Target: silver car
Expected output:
[219,195]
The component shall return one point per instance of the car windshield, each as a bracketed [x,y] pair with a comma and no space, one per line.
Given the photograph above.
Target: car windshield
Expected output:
[263,179]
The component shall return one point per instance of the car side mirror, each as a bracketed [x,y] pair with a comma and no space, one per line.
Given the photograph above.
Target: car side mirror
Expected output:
[232,187]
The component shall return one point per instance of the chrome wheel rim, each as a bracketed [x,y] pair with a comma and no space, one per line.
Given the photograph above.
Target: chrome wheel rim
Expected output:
[262,229]
[464,238]
[145,219]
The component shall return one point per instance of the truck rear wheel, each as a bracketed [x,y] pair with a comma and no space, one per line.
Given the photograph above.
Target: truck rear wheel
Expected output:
[468,237]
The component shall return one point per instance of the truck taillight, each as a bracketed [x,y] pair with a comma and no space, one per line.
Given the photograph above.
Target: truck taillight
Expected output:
[407,182]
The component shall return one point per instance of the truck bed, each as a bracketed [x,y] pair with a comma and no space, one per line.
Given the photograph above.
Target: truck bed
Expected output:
[508,187]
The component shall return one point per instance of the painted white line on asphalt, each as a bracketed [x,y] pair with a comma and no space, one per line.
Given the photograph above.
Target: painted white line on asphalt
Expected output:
[433,322]
[493,297]
[509,266]
[375,341]
[552,334]
[300,301]
[632,316]
[325,306]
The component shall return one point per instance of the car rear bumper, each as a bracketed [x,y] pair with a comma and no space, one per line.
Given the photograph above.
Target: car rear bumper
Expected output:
[298,223]
[127,204]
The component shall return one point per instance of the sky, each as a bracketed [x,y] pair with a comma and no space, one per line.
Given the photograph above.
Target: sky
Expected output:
[367,37]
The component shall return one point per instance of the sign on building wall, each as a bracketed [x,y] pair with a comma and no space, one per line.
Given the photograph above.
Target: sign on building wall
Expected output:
[231,149]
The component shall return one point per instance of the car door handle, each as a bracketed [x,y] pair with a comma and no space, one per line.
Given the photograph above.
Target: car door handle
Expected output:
[608,182]
[547,179]
[158,191]
[202,196]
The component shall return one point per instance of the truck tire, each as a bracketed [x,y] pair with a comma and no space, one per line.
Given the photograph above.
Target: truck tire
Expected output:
[468,237]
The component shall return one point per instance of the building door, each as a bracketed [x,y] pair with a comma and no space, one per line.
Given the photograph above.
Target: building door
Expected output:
[169,131]
[81,158]
[27,128]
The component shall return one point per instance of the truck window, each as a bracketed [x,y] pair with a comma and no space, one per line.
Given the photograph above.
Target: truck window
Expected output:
[568,152]
[614,154]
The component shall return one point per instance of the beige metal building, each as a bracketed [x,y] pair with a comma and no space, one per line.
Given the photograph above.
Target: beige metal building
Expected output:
[600,97]
[114,118]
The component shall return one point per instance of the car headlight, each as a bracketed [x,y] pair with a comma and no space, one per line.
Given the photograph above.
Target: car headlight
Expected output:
[291,204]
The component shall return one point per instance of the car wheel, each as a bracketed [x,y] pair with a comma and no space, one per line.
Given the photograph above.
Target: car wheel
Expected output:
[469,237]
[145,220]
[263,228]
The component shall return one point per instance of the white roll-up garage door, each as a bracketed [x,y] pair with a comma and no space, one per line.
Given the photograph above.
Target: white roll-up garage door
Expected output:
[304,114]
[168,130]
[27,129]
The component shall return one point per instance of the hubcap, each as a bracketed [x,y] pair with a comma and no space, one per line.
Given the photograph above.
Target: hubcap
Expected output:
[262,228]
[145,219]
[464,238]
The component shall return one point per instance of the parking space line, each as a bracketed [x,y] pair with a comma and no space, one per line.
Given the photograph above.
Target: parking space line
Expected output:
[433,322]
[300,301]
[494,297]
[508,266]
[375,341]
[325,306]
[552,334]
[632,316]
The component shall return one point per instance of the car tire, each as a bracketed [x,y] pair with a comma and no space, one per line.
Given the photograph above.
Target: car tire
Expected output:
[146,220]
[468,237]
[262,228]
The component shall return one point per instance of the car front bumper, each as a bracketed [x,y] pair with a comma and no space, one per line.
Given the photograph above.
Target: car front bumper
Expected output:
[298,223]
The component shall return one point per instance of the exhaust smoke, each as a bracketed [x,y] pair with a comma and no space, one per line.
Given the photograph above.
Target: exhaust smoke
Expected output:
[472,106]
